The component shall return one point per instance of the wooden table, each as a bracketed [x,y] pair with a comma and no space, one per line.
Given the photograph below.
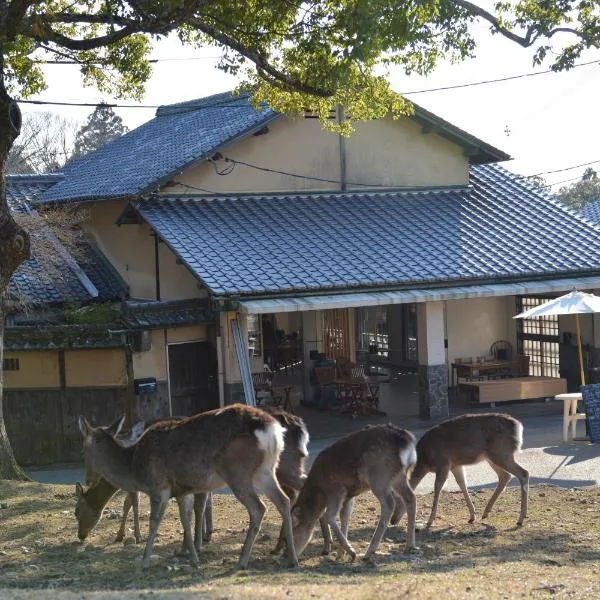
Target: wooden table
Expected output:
[473,371]
[514,388]
[359,394]
[570,414]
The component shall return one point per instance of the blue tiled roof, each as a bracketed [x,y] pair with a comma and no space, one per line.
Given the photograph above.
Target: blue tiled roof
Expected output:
[501,226]
[591,212]
[38,282]
[179,135]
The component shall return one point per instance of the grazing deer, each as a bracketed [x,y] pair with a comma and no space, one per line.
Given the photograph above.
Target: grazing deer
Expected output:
[467,440]
[238,446]
[376,458]
[290,475]
[91,502]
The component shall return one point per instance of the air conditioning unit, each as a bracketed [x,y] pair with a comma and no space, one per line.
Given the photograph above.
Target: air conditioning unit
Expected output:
[140,341]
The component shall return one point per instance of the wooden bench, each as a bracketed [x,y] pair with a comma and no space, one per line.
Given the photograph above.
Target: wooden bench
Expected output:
[514,388]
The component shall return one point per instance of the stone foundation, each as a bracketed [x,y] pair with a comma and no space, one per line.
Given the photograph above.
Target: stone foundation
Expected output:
[433,392]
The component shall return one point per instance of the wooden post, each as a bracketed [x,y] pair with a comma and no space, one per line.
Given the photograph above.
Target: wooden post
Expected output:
[582,371]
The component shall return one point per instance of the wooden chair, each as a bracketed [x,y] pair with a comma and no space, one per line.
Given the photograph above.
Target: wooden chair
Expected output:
[263,382]
[501,350]
[325,378]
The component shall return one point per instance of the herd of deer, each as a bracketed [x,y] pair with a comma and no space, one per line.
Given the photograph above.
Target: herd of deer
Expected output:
[253,450]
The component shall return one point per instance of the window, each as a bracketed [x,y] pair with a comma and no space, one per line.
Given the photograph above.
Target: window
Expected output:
[10,364]
[372,331]
[335,333]
[538,338]
[254,336]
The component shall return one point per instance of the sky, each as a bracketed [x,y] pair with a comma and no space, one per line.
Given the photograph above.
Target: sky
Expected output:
[546,122]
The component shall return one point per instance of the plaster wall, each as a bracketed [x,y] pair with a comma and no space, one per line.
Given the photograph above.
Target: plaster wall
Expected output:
[36,370]
[152,363]
[474,324]
[95,368]
[392,153]
[130,248]
[385,152]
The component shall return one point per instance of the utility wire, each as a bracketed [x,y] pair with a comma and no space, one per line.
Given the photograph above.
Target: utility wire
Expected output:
[448,87]
[485,82]
[592,162]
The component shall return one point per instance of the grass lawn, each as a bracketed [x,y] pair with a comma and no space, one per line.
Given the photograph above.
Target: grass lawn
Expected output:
[556,554]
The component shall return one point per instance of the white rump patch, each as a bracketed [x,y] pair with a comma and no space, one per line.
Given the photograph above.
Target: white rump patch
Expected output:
[408,456]
[270,439]
[303,442]
[519,436]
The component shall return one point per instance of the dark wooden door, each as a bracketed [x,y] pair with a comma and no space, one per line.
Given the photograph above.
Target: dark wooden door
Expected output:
[193,378]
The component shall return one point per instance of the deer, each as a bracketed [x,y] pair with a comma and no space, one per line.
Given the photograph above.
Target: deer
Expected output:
[290,475]
[238,446]
[91,502]
[467,440]
[377,458]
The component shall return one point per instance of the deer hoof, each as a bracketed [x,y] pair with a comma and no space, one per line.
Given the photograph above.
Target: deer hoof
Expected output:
[519,523]
[472,520]
[325,552]
[119,537]
[352,553]
[412,549]
[368,558]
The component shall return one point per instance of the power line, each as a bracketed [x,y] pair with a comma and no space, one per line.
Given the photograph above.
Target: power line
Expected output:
[310,177]
[485,82]
[150,60]
[565,181]
[449,87]
[592,162]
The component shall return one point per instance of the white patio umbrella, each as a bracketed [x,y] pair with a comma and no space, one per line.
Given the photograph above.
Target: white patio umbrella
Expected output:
[573,303]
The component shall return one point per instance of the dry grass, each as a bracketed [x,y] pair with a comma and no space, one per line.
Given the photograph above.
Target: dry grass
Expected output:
[556,554]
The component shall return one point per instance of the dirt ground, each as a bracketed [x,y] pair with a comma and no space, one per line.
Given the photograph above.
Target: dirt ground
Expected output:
[555,555]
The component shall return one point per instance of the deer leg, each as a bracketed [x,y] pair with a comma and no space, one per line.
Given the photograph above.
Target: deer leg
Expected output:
[201,517]
[135,503]
[186,506]
[334,504]
[292,494]
[459,475]
[440,478]
[327,539]
[416,477]
[207,523]
[505,467]
[127,504]
[158,506]
[407,498]
[270,486]
[256,511]
[387,503]
[345,514]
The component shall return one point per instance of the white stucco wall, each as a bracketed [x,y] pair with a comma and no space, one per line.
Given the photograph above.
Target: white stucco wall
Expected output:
[386,152]
[474,324]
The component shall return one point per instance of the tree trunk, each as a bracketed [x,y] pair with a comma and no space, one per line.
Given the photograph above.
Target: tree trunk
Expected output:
[14,249]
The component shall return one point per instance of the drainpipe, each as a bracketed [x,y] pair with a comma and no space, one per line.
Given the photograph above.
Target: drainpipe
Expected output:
[342,147]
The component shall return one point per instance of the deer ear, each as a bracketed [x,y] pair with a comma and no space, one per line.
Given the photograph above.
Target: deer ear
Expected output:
[137,430]
[78,490]
[84,426]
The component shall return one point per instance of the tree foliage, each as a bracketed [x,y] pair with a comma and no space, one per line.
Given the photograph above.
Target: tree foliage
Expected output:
[101,127]
[314,54]
[582,192]
[44,146]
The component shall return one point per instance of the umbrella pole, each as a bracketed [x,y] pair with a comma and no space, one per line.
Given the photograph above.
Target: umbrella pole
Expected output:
[580,350]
